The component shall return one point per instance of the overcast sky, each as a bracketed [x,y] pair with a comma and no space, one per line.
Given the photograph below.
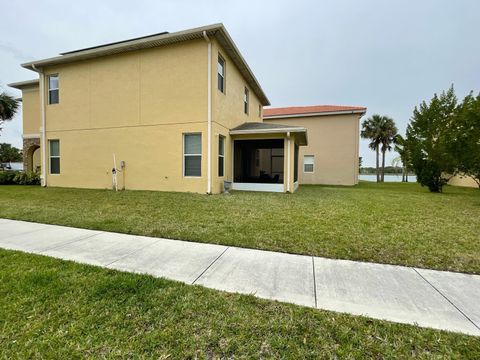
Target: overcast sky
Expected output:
[385,55]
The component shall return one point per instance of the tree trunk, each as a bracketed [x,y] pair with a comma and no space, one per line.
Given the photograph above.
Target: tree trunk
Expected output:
[383,165]
[377,165]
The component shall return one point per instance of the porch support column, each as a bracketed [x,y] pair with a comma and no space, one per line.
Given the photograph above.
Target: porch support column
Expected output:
[288,162]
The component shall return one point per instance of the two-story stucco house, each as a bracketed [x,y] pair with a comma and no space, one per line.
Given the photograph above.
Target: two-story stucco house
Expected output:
[172,111]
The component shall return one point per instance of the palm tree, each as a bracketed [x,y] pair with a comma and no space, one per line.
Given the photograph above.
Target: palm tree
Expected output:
[388,133]
[8,107]
[381,131]
[371,130]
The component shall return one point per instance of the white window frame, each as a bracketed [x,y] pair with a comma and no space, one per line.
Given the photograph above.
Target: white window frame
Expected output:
[50,90]
[50,157]
[313,164]
[246,101]
[184,155]
[221,156]
[220,57]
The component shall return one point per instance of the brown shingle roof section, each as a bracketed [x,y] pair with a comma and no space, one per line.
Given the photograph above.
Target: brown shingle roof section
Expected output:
[316,109]
[263,126]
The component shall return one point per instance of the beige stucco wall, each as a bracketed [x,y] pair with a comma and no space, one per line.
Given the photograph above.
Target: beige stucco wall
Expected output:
[228,106]
[333,140]
[164,85]
[137,106]
[31,110]
[153,157]
[466,181]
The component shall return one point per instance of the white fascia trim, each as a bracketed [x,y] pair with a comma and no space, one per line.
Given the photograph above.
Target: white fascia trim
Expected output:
[288,162]
[31,136]
[267,131]
[347,112]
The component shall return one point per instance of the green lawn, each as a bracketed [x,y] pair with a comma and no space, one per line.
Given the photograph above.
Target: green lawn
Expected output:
[57,309]
[387,223]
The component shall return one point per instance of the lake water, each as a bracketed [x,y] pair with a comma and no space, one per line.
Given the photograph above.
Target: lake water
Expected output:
[388,178]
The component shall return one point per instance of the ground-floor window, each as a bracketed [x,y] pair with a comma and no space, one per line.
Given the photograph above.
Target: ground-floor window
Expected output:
[54,147]
[308,163]
[221,155]
[259,161]
[192,155]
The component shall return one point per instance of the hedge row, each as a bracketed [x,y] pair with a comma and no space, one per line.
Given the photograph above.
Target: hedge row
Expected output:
[19,178]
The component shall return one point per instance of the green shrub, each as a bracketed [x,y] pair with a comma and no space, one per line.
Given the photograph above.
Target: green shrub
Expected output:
[430,174]
[7,177]
[27,178]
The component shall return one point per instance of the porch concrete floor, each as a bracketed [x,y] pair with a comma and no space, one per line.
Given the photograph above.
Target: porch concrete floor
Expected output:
[435,299]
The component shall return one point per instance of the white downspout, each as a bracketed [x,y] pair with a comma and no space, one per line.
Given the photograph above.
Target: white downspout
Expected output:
[209,116]
[43,144]
[288,162]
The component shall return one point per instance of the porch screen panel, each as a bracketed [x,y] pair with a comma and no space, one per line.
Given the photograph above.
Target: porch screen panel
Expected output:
[259,161]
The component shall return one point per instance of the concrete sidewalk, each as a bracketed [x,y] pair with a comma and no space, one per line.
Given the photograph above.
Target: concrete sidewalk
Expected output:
[436,299]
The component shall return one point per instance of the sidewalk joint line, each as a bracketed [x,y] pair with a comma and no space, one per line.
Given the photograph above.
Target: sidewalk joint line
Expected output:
[314,281]
[446,298]
[131,252]
[67,243]
[208,267]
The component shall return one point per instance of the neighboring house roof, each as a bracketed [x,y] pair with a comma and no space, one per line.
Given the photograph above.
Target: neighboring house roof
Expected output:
[264,128]
[217,31]
[316,110]
[24,84]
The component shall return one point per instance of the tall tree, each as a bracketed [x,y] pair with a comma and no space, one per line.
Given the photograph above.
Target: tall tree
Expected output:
[427,136]
[388,132]
[464,138]
[8,107]
[371,131]
[381,131]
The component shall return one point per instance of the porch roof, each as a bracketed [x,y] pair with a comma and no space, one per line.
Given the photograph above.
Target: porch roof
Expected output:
[251,128]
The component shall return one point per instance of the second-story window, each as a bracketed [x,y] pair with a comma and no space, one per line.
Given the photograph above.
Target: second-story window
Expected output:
[53,92]
[221,74]
[245,101]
